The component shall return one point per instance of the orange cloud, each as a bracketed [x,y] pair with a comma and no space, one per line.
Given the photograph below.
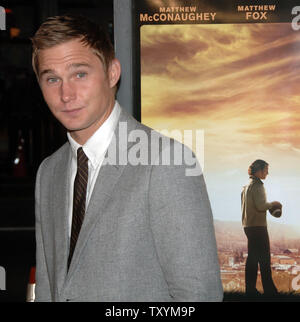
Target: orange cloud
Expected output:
[238,81]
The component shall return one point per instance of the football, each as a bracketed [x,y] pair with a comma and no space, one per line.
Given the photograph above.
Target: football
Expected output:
[276,211]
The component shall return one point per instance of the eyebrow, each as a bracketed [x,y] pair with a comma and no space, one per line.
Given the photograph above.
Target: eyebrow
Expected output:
[71,66]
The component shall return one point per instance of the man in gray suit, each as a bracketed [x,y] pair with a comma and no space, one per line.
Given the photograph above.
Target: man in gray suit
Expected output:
[110,227]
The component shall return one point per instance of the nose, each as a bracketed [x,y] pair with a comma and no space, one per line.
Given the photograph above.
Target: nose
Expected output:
[68,92]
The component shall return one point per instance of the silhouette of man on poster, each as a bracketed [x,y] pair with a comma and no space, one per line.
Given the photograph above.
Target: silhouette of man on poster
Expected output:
[254,212]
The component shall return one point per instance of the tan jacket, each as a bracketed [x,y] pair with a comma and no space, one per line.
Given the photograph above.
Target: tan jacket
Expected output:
[254,203]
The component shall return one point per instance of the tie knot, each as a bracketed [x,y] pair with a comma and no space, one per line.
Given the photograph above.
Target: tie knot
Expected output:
[81,157]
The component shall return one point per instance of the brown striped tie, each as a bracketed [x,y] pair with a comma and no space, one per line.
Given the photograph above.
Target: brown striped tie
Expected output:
[79,199]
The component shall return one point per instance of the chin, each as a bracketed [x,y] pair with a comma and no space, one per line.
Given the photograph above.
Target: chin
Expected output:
[73,127]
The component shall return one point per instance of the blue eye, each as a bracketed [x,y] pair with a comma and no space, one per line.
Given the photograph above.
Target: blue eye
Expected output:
[81,75]
[52,80]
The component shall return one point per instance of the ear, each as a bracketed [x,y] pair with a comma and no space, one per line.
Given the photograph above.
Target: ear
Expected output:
[114,72]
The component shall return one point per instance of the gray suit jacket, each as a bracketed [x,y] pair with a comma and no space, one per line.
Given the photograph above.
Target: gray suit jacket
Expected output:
[147,234]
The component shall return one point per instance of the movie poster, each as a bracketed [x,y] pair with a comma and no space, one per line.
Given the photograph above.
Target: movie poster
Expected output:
[229,73]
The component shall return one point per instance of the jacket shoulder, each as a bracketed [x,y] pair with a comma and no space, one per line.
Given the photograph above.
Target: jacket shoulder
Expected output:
[54,158]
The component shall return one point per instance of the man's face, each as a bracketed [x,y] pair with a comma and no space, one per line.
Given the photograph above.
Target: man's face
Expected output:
[77,89]
[262,174]
[265,172]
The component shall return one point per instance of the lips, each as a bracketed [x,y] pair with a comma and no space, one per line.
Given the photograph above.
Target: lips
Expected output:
[73,112]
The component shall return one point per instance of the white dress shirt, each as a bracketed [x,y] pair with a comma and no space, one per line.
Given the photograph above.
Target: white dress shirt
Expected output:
[95,149]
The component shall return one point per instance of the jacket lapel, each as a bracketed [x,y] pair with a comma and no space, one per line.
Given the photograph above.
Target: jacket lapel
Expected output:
[60,216]
[108,176]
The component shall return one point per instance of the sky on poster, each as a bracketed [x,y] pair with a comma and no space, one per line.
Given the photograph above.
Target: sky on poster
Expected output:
[241,85]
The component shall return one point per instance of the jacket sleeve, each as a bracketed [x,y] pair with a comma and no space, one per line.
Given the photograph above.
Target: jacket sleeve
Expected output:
[182,226]
[42,288]
[259,198]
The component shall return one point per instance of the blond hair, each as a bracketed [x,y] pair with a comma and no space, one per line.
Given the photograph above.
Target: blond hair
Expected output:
[60,29]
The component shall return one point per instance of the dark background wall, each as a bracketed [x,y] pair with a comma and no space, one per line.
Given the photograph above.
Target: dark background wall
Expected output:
[28,132]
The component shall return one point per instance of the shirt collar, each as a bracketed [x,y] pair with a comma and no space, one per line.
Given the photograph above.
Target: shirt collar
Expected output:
[254,178]
[97,144]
